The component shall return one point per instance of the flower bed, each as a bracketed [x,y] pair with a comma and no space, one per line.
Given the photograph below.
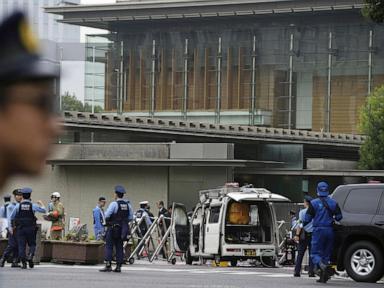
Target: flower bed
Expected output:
[46,251]
[77,252]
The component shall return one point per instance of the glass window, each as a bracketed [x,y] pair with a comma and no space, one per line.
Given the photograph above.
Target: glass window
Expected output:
[214,215]
[382,207]
[363,201]
[180,217]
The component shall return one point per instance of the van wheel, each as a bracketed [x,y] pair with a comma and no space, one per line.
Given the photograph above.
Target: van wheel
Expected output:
[363,262]
[268,262]
[188,258]
[233,263]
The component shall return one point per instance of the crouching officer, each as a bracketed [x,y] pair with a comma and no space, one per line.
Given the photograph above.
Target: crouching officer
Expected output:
[23,220]
[323,211]
[117,216]
[12,247]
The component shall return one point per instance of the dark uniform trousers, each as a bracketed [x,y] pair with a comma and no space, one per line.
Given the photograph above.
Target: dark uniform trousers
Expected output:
[26,235]
[110,241]
[304,244]
[12,247]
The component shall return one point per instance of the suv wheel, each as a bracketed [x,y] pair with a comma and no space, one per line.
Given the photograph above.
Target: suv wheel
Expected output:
[363,262]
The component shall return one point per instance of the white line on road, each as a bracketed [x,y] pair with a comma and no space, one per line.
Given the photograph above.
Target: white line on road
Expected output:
[170,270]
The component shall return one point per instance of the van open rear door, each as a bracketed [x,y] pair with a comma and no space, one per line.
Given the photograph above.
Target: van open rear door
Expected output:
[180,228]
[213,229]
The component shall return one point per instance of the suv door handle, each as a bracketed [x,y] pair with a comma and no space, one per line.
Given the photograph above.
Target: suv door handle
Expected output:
[379,223]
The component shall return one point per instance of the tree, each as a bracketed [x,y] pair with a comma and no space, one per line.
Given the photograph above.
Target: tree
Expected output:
[96,108]
[71,103]
[374,9]
[372,125]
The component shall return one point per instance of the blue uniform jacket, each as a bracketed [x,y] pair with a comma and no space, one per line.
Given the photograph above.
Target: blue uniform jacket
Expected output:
[308,227]
[2,210]
[145,214]
[35,208]
[98,218]
[320,215]
[113,207]
[10,209]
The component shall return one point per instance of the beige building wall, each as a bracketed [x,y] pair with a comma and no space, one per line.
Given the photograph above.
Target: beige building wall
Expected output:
[81,186]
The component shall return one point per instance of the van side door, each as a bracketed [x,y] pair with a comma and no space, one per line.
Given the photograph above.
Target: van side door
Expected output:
[213,229]
[180,229]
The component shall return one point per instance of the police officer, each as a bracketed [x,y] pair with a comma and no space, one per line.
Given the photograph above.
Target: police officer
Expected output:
[324,211]
[117,216]
[12,247]
[99,218]
[28,126]
[143,213]
[23,220]
[303,237]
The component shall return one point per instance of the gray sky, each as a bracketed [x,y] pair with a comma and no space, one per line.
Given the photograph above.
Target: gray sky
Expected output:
[84,30]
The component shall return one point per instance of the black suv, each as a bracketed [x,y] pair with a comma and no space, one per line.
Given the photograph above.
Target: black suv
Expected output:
[359,243]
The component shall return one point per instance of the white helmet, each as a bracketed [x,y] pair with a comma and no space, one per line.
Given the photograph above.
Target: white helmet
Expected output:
[55,194]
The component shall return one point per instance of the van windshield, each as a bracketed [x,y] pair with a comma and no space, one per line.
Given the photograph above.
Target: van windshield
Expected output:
[248,222]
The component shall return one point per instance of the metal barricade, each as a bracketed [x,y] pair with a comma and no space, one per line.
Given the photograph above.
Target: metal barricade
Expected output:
[153,242]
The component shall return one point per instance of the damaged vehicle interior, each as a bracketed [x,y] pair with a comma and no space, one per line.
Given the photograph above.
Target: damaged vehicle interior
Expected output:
[248,223]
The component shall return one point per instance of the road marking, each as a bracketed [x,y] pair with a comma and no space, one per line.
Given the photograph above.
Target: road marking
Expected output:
[181,270]
[174,270]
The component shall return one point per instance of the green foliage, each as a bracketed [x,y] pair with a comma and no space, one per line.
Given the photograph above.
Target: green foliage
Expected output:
[78,233]
[374,9]
[372,125]
[71,103]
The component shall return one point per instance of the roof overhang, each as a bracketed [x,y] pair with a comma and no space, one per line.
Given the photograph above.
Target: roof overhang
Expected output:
[310,172]
[103,16]
[161,162]
[151,154]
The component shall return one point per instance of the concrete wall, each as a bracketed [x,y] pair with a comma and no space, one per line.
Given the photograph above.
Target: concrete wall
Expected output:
[330,164]
[82,181]
[80,186]
[186,182]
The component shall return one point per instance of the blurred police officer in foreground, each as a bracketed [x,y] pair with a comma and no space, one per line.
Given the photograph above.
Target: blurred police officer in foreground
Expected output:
[324,211]
[12,247]
[28,125]
[117,216]
[23,220]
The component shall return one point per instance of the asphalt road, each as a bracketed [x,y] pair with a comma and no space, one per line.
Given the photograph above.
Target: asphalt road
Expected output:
[162,275]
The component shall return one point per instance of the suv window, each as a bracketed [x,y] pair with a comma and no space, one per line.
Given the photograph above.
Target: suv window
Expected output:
[215,214]
[363,201]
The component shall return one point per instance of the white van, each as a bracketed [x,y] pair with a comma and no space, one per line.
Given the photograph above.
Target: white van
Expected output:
[210,234]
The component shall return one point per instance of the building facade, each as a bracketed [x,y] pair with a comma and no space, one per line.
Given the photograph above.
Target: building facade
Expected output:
[286,64]
[60,43]
[45,25]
